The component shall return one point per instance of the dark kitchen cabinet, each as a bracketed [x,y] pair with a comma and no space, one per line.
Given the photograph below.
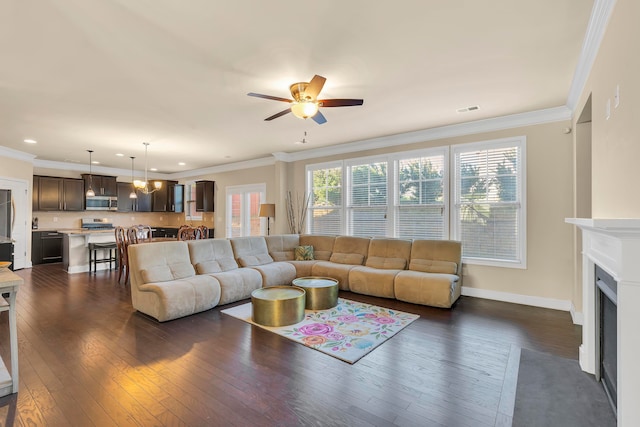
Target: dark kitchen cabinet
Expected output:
[205,192]
[57,194]
[142,203]
[164,200]
[46,247]
[165,232]
[102,185]
[72,195]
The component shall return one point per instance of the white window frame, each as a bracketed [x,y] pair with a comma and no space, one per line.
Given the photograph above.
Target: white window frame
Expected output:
[425,152]
[309,169]
[348,164]
[519,142]
[245,191]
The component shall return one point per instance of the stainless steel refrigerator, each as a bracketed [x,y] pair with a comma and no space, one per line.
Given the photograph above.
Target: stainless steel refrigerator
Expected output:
[6,222]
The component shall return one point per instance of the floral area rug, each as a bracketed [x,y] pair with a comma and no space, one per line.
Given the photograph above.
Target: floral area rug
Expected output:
[348,331]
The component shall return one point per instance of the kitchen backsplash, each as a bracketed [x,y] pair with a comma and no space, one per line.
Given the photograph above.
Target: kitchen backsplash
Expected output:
[62,220]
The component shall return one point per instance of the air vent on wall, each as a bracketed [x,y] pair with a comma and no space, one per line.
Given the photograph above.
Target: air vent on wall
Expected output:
[467,109]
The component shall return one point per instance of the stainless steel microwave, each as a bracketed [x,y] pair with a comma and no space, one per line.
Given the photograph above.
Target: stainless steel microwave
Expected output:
[101,203]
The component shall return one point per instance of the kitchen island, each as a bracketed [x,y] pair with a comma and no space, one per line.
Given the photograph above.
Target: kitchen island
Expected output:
[75,248]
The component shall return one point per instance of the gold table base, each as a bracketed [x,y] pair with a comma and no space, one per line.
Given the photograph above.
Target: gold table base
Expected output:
[278,305]
[322,292]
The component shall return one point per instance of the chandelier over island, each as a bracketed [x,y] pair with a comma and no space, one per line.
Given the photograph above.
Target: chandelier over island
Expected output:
[143,186]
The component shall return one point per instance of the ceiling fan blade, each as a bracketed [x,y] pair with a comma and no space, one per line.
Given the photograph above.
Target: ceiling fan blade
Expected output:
[340,102]
[275,98]
[275,116]
[315,86]
[319,118]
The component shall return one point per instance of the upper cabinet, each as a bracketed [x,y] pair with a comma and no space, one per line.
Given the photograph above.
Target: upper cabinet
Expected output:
[102,185]
[57,194]
[142,202]
[170,198]
[205,192]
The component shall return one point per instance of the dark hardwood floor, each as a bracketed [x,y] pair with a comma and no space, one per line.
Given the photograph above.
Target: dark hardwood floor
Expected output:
[87,358]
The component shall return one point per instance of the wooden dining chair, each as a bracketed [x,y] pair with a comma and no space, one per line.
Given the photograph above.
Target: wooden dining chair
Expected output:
[203,232]
[139,234]
[123,259]
[187,232]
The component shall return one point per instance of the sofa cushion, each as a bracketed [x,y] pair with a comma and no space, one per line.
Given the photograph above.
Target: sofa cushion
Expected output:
[322,245]
[350,250]
[208,267]
[211,255]
[388,253]
[304,253]
[281,248]
[353,259]
[254,260]
[436,250]
[433,266]
[386,263]
[165,273]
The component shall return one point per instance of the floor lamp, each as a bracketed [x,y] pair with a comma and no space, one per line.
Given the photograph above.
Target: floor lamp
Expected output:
[267,210]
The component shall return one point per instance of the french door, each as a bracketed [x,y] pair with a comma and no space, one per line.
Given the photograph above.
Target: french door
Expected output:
[243,207]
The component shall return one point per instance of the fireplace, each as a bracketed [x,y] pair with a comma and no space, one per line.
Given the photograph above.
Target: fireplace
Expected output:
[614,246]
[607,331]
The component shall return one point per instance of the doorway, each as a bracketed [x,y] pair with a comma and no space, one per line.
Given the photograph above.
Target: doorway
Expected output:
[19,230]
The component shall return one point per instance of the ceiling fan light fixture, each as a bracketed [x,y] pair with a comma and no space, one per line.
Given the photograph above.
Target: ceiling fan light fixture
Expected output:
[304,110]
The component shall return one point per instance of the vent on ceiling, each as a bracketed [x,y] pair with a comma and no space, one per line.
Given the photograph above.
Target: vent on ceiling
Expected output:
[467,109]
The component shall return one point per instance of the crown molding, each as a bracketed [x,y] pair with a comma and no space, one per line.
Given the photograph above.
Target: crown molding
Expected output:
[548,115]
[229,167]
[15,154]
[95,169]
[600,14]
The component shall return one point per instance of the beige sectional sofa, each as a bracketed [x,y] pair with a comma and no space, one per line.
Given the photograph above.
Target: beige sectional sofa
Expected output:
[175,279]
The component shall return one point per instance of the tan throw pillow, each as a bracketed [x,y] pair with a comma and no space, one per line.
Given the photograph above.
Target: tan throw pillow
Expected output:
[433,266]
[304,253]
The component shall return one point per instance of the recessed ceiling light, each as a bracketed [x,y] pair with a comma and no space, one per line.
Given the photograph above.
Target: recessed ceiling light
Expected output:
[119,154]
[95,162]
[153,169]
[30,141]
[181,163]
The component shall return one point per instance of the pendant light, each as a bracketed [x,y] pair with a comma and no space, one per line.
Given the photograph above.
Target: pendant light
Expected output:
[90,192]
[143,186]
[133,194]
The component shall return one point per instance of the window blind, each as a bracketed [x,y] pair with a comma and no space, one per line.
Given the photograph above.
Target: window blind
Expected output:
[367,208]
[420,210]
[488,201]
[325,211]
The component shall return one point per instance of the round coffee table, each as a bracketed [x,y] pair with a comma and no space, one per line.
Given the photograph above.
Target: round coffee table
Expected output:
[278,305]
[322,292]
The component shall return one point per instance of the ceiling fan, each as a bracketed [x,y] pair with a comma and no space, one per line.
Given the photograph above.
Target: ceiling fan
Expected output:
[305,103]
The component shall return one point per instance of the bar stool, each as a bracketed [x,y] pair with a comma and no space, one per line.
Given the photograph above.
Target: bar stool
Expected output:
[93,254]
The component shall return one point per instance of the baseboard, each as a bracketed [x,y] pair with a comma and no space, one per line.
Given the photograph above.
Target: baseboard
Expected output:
[552,303]
[578,318]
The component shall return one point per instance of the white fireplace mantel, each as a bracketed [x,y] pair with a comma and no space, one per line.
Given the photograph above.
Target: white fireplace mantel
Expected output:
[614,245]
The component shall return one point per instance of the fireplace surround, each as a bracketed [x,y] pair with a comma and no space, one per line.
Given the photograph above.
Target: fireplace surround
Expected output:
[614,246]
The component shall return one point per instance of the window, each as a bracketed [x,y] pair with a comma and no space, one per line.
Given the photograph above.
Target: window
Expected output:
[367,201]
[489,214]
[420,206]
[413,195]
[324,215]
[243,207]
[190,202]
